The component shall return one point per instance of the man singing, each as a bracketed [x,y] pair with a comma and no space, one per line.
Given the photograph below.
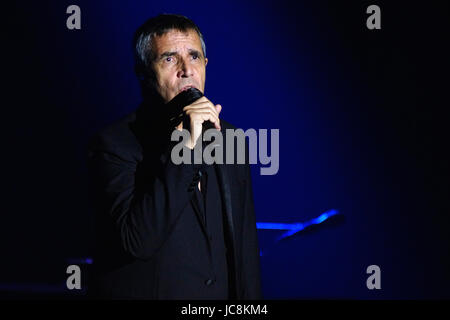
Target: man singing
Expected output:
[166,230]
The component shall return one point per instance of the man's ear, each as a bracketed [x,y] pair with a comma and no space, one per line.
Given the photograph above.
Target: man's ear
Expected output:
[206,61]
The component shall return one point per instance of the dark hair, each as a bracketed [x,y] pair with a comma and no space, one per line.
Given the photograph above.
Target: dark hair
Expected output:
[142,41]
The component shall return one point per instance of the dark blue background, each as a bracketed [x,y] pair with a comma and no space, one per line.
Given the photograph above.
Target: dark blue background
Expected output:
[362,130]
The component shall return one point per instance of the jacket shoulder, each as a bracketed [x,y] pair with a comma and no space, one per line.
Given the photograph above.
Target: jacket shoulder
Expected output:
[227,125]
[117,137]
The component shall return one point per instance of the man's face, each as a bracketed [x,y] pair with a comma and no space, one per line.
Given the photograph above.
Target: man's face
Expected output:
[178,62]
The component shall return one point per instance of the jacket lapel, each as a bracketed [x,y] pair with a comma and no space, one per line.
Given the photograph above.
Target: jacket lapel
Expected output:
[223,176]
[230,231]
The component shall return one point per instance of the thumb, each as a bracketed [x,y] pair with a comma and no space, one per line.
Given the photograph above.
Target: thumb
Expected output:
[218,108]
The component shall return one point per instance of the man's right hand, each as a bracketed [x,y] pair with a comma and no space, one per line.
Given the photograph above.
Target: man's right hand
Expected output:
[198,112]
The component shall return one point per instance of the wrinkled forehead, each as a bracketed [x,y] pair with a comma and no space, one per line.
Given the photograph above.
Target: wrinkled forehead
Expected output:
[176,40]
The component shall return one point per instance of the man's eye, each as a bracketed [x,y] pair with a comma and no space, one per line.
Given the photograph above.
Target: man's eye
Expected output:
[169,59]
[195,56]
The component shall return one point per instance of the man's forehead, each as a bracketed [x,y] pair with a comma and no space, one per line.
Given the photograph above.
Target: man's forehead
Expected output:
[176,39]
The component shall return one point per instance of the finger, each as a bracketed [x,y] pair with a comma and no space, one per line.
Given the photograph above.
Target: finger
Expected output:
[200,100]
[202,107]
[201,116]
[199,104]
[218,108]
[208,117]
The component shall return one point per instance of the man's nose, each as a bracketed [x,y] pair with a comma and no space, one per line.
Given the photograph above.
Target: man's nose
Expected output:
[185,69]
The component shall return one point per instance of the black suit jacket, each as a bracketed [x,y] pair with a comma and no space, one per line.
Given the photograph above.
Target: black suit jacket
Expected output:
[145,248]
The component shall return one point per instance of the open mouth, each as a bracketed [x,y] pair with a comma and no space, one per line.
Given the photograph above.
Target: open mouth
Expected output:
[186,87]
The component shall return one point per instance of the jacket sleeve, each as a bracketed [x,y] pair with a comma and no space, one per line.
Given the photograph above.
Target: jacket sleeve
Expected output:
[251,275]
[142,220]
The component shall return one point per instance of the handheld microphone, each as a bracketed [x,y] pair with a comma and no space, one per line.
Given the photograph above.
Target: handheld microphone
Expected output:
[175,108]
